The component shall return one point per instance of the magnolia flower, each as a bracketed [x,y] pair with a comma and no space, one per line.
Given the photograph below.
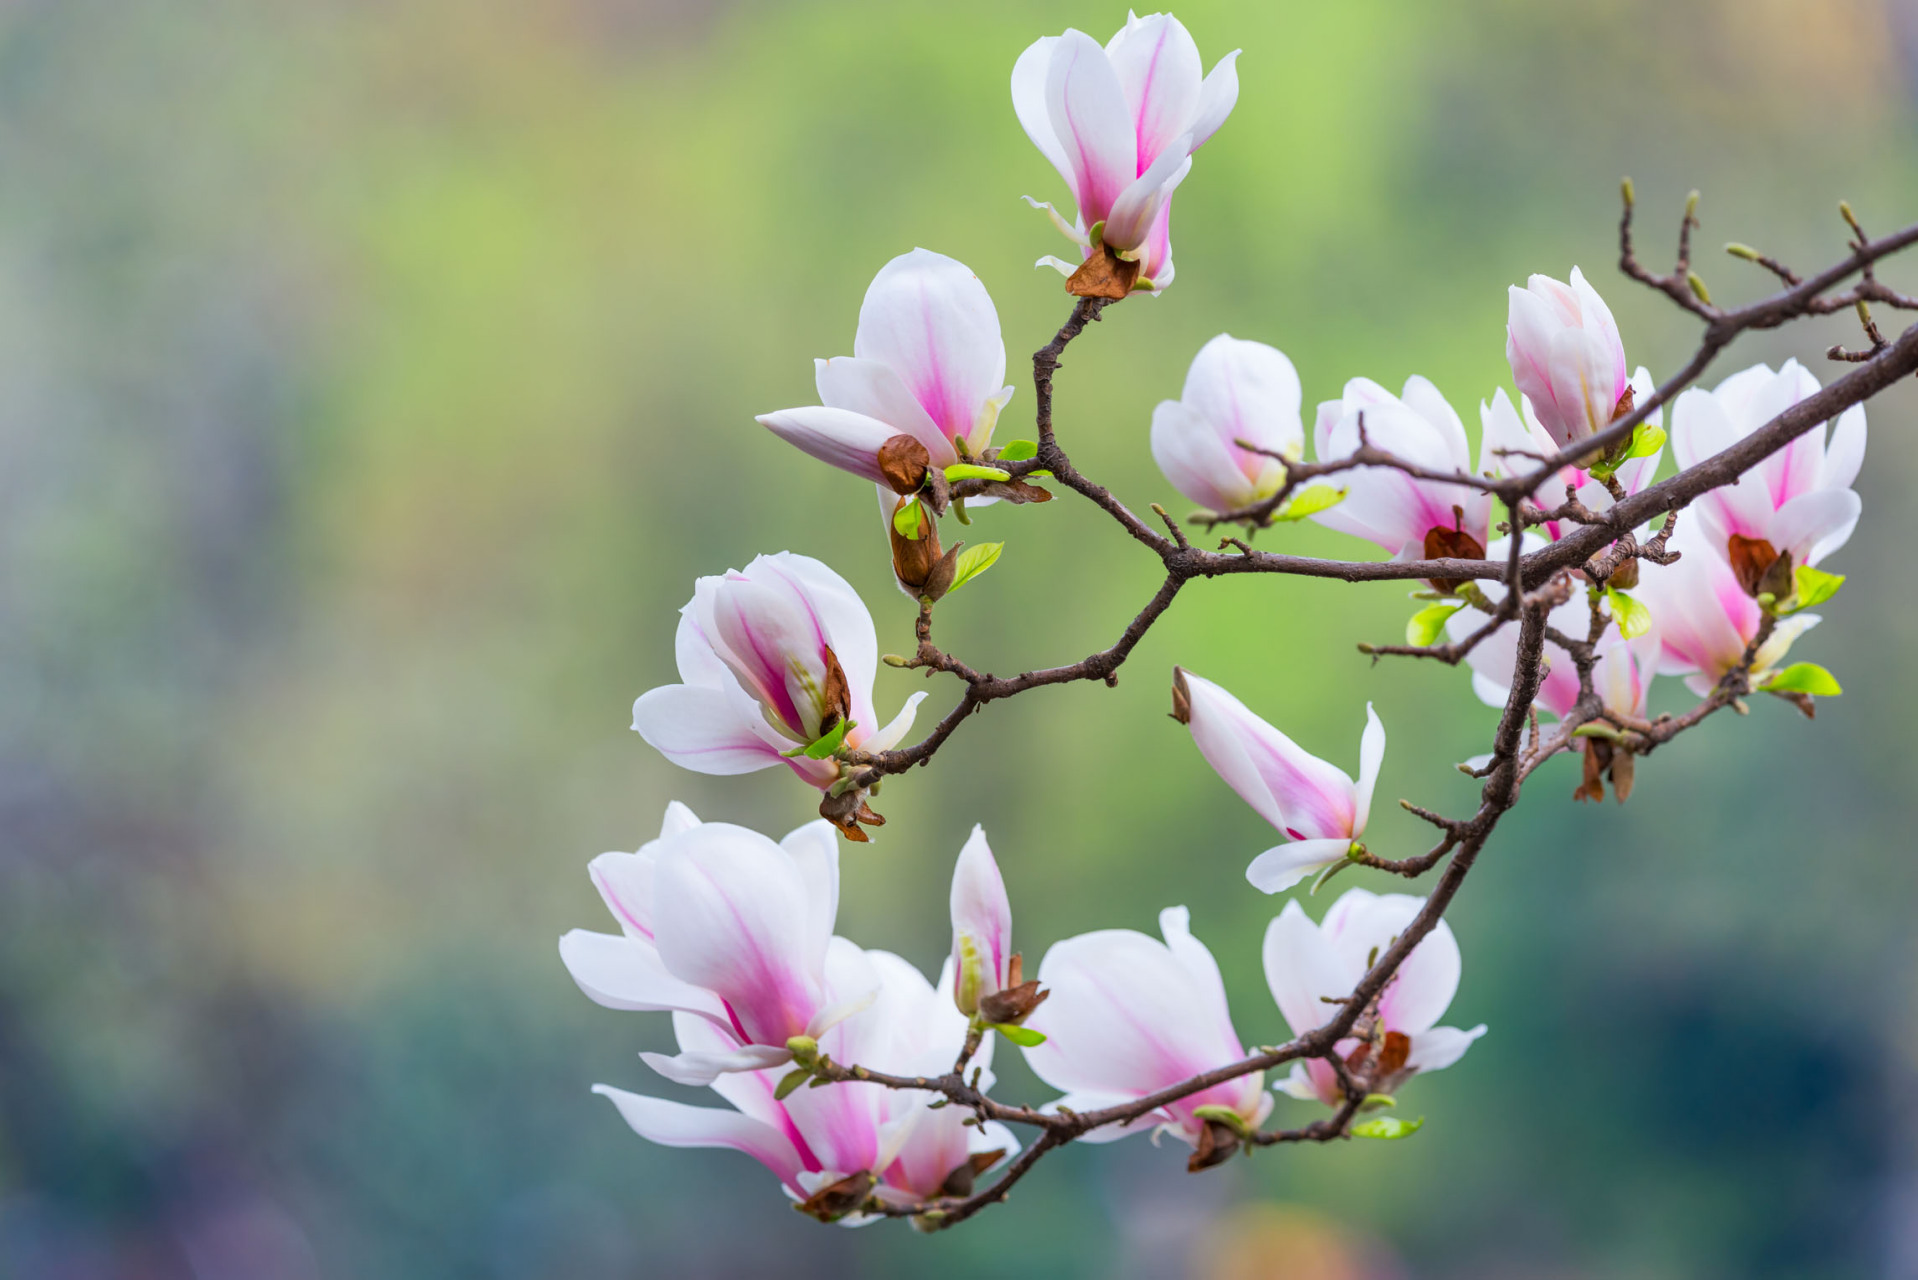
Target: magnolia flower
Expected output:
[834,1146]
[1305,962]
[721,923]
[1411,518]
[1706,618]
[1120,124]
[1129,1016]
[1235,390]
[773,658]
[1566,357]
[1315,803]
[1797,506]
[927,362]
[1621,677]
[1505,429]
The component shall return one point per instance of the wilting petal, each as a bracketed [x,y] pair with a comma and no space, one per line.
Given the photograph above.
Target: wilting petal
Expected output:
[733,916]
[932,321]
[981,923]
[1440,1047]
[1283,866]
[674,1124]
[697,1070]
[1093,122]
[698,728]
[849,441]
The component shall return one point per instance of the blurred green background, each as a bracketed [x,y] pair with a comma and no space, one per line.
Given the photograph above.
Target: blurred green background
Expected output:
[377,377]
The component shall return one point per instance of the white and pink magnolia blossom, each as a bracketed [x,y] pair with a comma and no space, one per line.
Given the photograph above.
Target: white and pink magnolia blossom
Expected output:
[1621,677]
[1316,804]
[981,926]
[1566,356]
[1121,124]
[1235,391]
[814,1138]
[773,657]
[1130,1015]
[1511,428]
[927,361]
[1409,517]
[1798,501]
[1305,962]
[721,923]
[1704,617]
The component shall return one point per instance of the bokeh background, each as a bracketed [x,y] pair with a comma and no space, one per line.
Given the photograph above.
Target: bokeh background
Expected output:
[376,377]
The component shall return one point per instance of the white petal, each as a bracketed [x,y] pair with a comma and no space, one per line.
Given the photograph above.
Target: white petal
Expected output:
[932,321]
[732,915]
[1093,122]
[626,973]
[1029,103]
[1175,926]
[1440,1047]
[1815,524]
[1285,865]
[1159,69]
[873,388]
[1217,96]
[701,1069]
[1371,756]
[814,850]
[837,437]
[900,725]
[1138,205]
[1846,452]
[1196,460]
[1301,967]
[674,1124]
[699,728]
[1247,391]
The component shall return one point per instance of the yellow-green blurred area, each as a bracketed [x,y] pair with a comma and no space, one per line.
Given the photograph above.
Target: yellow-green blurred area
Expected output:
[375,378]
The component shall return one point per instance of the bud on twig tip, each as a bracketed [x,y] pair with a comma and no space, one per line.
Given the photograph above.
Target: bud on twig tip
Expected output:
[1628,191]
[1698,287]
[1744,251]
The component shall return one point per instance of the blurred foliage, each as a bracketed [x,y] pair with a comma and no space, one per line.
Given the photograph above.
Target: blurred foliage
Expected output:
[379,377]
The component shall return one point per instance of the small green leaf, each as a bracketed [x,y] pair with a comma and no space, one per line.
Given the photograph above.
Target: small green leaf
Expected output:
[1633,618]
[1019,450]
[905,518]
[1647,439]
[1024,1037]
[790,1081]
[824,745]
[973,561]
[1310,501]
[1815,586]
[1428,623]
[1387,1127]
[1804,677]
[973,471]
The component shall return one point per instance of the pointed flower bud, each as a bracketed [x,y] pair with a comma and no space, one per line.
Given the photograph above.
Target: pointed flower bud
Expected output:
[1566,356]
[982,956]
[1314,803]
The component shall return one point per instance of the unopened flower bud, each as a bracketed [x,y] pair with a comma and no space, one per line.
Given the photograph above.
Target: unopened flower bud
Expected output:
[903,462]
[922,567]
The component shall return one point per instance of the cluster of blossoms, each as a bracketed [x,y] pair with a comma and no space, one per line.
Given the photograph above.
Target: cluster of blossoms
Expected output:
[829,1056]
[733,934]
